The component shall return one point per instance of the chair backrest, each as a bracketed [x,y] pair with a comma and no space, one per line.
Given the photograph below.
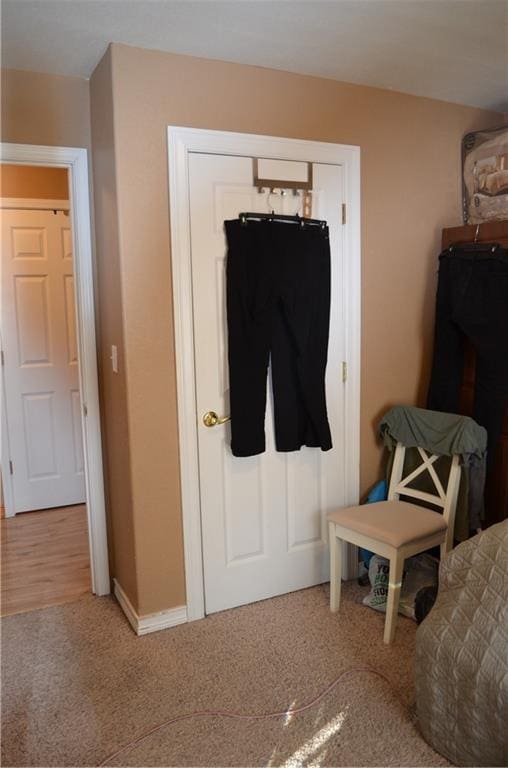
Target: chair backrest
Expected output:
[446,498]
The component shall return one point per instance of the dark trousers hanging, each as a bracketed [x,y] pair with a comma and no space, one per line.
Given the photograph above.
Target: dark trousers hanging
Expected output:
[472,303]
[278,308]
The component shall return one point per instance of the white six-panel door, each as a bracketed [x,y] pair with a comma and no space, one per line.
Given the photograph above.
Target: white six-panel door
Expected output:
[41,360]
[262,517]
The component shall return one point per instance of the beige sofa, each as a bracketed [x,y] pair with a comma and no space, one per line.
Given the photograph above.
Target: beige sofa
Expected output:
[462,654]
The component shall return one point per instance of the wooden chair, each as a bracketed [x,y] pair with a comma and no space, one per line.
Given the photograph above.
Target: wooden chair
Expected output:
[396,529]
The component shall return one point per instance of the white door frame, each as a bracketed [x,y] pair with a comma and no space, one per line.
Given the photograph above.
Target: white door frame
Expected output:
[181,142]
[76,162]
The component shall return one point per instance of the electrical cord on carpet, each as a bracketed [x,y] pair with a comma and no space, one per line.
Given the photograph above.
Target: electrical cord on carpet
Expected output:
[238,716]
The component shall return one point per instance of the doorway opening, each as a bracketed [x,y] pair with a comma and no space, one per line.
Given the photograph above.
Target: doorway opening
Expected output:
[53,531]
[45,555]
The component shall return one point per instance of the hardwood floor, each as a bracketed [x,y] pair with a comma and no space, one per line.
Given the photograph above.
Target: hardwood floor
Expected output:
[45,559]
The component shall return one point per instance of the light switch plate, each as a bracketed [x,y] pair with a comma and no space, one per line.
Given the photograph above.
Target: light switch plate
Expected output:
[114,358]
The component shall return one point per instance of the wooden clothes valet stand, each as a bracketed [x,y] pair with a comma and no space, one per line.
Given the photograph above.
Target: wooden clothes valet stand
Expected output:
[496,490]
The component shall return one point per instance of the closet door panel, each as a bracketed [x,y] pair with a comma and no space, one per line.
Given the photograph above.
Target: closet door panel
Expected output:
[262,517]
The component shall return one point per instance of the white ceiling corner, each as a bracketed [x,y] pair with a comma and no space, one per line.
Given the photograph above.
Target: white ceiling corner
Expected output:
[454,50]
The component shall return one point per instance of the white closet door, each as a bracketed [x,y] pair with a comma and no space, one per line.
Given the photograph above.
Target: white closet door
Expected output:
[263,517]
[41,360]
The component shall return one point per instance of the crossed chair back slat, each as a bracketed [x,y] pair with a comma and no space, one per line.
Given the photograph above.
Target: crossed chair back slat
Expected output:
[444,498]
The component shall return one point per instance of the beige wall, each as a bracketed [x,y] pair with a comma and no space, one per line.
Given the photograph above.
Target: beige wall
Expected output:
[45,109]
[113,385]
[410,189]
[34,182]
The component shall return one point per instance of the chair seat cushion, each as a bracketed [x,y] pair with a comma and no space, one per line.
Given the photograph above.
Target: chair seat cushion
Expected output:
[392,522]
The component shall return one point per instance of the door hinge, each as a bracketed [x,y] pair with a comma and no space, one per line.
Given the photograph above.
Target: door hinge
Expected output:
[11,467]
[344,370]
[343,213]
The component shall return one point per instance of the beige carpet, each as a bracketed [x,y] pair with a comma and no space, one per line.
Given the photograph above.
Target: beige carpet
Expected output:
[78,684]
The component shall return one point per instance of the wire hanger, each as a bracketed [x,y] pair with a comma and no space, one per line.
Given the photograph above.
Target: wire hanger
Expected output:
[295,219]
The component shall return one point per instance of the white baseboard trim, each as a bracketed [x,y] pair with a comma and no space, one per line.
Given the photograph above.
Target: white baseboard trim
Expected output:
[152,622]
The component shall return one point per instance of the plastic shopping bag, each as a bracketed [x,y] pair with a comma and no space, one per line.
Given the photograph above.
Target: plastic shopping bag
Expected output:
[419,571]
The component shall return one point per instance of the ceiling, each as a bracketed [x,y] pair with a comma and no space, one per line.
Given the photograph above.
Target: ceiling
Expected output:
[455,50]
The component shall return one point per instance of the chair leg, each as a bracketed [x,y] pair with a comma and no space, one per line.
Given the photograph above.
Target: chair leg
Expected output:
[447,544]
[392,604]
[335,568]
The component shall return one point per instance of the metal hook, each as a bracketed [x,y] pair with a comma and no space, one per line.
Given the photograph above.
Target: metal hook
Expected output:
[477,233]
[269,200]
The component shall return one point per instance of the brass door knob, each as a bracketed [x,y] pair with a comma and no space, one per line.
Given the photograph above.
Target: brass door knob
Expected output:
[210,419]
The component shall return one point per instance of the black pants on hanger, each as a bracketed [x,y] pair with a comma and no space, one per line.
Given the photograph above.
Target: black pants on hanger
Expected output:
[278,305]
[472,302]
